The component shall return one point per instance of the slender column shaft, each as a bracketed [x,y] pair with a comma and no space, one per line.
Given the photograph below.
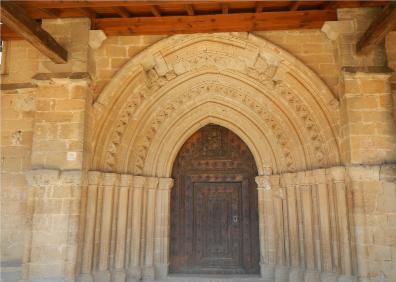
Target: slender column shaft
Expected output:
[162,227]
[119,261]
[338,176]
[134,270]
[148,270]
[89,231]
[281,268]
[324,217]
[109,180]
[289,181]
[266,227]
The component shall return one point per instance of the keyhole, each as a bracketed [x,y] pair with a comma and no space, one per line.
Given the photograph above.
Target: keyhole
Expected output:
[235,219]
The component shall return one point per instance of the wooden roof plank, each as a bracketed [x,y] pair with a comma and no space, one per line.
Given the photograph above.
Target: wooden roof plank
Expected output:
[15,17]
[378,29]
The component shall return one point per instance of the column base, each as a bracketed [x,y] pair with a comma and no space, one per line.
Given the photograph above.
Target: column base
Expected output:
[85,277]
[328,277]
[346,278]
[267,272]
[311,276]
[161,270]
[118,275]
[148,273]
[296,274]
[102,276]
[281,273]
[134,274]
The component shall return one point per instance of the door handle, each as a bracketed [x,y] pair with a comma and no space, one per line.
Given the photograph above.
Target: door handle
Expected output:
[235,219]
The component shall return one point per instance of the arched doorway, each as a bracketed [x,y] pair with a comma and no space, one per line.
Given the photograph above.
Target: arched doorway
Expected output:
[214,217]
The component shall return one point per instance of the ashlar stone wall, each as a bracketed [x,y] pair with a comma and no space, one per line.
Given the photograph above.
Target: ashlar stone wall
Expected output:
[87,149]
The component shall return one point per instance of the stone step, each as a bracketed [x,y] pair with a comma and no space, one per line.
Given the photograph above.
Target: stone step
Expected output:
[212,278]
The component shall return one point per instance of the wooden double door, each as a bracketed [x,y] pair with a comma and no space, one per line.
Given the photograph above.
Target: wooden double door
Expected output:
[214,218]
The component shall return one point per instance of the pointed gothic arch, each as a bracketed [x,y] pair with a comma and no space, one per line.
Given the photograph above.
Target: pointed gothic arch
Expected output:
[289,116]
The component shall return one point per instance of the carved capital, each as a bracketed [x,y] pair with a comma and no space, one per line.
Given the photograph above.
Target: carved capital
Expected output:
[94,177]
[151,183]
[304,178]
[109,179]
[288,179]
[319,176]
[263,182]
[275,181]
[165,183]
[337,173]
[126,180]
[138,182]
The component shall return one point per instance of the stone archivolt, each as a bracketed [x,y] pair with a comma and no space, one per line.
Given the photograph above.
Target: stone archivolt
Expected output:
[276,90]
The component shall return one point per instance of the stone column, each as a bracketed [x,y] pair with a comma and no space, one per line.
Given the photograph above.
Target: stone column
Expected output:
[89,230]
[162,228]
[119,274]
[324,219]
[281,268]
[266,227]
[134,270]
[148,268]
[338,179]
[289,181]
[103,273]
[305,181]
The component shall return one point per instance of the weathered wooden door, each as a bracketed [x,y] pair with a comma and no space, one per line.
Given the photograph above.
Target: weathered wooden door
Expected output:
[214,219]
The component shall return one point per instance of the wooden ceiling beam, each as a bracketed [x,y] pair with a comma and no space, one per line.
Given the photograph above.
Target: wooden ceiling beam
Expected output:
[215,23]
[190,10]
[16,18]
[378,29]
[122,12]
[155,10]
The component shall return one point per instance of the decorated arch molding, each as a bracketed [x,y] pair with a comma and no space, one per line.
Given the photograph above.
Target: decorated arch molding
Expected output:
[285,114]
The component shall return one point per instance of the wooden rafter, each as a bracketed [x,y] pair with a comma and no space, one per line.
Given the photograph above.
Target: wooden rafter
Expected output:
[224,8]
[215,23]
[190,10]
[259,8]
[378,29]
[16,18]
[295,6]
[155,10]
[122,11]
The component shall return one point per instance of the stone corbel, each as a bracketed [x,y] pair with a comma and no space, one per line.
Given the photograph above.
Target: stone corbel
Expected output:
[333,29]
[96,38]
